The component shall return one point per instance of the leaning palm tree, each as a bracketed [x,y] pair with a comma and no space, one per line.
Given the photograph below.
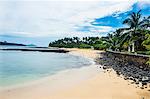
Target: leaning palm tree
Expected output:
[134,23]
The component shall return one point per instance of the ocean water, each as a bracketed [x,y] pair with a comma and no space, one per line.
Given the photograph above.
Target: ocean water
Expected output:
[17,67]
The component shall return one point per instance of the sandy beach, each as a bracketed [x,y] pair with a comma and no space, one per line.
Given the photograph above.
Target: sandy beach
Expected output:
[89,82]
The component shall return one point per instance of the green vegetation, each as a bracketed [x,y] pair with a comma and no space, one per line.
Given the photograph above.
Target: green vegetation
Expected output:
[75,42]
[146,42]
[134,38]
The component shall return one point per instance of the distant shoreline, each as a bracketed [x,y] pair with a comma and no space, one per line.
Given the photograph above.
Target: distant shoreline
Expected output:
[11,44]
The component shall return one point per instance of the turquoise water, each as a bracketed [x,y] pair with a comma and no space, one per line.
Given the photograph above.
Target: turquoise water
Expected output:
[17,67]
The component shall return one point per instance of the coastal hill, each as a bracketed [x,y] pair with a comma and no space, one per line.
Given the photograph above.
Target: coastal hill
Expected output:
[7,43]
[16,44]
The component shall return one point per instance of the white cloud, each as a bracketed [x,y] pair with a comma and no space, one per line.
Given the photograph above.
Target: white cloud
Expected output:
[53,18]
[143,3]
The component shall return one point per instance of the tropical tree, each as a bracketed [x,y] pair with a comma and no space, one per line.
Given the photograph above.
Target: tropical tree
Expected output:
[134,23]
[146,42]
[118,34]
[111,42]
[146,22]
[114,40]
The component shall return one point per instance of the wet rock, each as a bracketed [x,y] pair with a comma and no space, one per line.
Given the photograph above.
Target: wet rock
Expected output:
[104,67]
[145,79]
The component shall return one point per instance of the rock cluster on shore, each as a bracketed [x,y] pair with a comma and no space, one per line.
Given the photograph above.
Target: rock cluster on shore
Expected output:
[140,75]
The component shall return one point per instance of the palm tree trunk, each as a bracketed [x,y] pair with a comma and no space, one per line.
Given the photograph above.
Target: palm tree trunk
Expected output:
[133,46]
[129,50]
[129,46]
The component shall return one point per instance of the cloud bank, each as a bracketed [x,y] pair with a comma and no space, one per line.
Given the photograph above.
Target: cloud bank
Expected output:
[57,18]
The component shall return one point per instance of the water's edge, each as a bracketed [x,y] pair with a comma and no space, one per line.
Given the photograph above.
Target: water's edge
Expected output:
[52,76]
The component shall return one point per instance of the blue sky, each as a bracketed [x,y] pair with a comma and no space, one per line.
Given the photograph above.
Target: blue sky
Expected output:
[115,20]
[39,22]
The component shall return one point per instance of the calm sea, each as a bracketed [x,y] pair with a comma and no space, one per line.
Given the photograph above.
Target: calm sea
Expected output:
[18,67]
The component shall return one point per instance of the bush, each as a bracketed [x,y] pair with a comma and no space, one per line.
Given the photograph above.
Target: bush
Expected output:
[146,42]
[99,46]
[147,52]
[84,46]
[144,52]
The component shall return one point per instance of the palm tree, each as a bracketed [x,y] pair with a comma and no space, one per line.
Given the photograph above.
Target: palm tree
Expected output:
[76,39]
[118,35]
[111,41]
[146,22]
[134,23]
[114,40]
[146,42]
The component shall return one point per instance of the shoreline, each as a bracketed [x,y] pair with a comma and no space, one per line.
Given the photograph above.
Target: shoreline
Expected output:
[43,79]
[88,82]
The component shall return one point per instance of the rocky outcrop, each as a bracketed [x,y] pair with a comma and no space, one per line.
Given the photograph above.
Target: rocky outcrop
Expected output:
[131,66]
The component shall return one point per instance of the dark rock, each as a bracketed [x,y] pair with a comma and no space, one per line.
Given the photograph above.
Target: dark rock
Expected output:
[104,67]
[136,72]
[142,87]
[137,83]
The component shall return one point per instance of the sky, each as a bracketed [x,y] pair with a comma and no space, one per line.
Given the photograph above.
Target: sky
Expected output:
[39,22]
